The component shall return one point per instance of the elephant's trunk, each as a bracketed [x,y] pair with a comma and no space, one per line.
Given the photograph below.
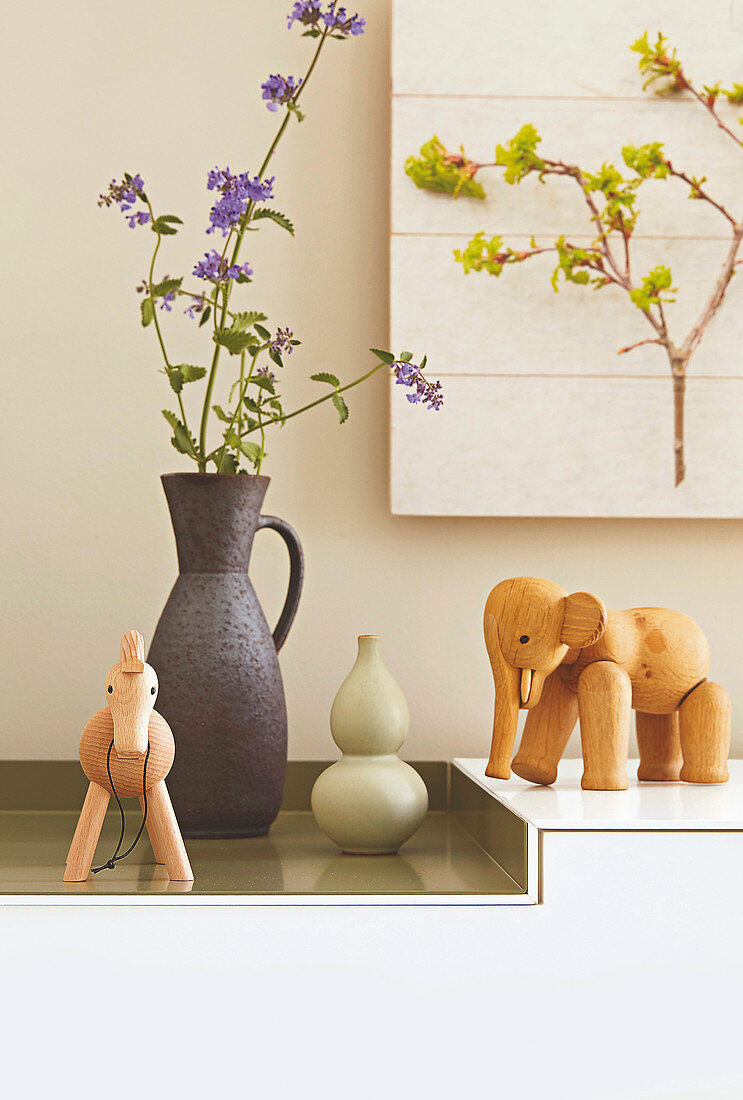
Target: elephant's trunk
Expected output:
[508,691]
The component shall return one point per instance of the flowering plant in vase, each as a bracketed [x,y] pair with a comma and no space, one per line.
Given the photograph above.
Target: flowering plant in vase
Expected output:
[241,203]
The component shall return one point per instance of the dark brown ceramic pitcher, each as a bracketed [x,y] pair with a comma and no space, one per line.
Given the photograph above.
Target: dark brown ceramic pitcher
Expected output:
[216,659]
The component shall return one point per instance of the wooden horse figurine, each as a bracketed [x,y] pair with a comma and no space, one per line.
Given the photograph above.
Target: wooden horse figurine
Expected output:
[565,656]
[130,745]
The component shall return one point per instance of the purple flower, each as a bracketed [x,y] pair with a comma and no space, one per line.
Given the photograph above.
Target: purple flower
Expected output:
[140,217]
[306,12]
[215,268]
[125,194]
[235,193]
[339,21]
[279,90]
[197,306]
[424,392]
[166,300]
[266,373]
[336,20]
[283,341]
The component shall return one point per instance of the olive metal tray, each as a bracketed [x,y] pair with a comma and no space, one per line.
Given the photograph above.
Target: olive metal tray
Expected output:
[470,849]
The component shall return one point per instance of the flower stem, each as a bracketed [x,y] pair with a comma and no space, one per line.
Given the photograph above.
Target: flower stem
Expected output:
[320,400]
[154,317]
[244,225]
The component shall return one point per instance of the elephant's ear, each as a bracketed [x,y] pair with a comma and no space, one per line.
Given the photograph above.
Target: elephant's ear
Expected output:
[584,620]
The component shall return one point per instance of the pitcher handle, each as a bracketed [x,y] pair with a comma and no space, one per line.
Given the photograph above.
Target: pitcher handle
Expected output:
[296,575]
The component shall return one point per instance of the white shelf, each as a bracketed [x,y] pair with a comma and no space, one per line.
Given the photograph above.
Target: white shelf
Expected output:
[644,806]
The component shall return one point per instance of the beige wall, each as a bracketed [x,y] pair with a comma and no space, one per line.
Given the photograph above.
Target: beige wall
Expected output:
[86,548]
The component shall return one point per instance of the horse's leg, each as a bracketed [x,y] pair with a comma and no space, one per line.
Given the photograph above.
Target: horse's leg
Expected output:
[156,851]
[165,835]
[82,849]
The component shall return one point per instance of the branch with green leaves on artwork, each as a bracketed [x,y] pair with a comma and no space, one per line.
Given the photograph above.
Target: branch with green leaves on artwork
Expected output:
[610,196]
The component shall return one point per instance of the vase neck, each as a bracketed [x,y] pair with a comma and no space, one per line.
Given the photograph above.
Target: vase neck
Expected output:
[214,518]
[369,649]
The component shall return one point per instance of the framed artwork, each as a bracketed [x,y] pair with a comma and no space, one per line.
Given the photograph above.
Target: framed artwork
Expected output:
[542,416]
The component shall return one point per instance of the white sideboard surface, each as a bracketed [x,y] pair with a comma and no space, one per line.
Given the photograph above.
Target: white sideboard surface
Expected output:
[651,831]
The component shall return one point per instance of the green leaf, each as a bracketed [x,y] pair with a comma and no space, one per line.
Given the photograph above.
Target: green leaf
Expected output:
[519,157]
[251,404]
[658,63]
[263,382]
[245,320]
[167,286]
[147,307]
[405,356]
[325,376]
[385,356]
[229,463]
[341,406]
[274,216]
[205,316]
[235,339]
[181,440]
[483,255]
[734,94]
[175,378]
[190,373]
[251,450]
[161,226]
[275,357]
[183,372]
[650,292]
[170,218]
[436,169]
[221,414]
[647,160]
[262,332]
[578,265]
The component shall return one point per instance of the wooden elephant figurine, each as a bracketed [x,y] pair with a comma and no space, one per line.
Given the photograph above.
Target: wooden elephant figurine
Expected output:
[565,656]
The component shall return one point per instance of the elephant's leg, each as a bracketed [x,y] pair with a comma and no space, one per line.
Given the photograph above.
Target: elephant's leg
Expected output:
[605,711]
[660,747]
[546,733]
[704,726]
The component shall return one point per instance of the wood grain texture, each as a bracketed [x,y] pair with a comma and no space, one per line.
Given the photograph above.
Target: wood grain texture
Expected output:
[660,747]
[127,773]
[605,710]
[154,840]
[82,849]
[704,729]
[546,733]
[664,652]
[588,134]
[571,446]
[455,316]
[596,437]
[584,620]
[132,652]
[436,56]
[165,836]
[560,654]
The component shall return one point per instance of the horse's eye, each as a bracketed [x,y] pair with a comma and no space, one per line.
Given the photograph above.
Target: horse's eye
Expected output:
[152,691]
[524,639]
[110,689]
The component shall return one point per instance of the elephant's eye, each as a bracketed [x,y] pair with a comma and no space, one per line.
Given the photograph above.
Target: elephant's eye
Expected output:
[110,689]
[524,639]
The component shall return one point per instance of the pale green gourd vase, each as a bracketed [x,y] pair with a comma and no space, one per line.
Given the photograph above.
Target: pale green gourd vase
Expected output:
[370,802]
